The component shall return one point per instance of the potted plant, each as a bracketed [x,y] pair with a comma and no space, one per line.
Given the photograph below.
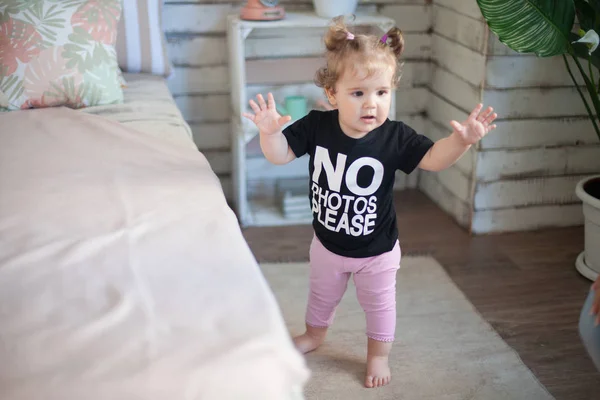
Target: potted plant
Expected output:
[547,28]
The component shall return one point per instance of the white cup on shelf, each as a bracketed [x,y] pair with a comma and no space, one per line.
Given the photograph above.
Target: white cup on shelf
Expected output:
[334,8]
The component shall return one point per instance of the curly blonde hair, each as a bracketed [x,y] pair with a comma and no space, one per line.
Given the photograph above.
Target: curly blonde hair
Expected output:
[345,49]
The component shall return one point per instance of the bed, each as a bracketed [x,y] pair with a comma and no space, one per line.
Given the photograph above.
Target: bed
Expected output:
[123,272]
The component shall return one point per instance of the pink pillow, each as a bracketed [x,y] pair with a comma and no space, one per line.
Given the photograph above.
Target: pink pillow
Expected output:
[59,53]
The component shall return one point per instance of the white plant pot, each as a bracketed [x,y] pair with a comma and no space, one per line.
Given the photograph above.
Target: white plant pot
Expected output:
[588,262]
[334,8]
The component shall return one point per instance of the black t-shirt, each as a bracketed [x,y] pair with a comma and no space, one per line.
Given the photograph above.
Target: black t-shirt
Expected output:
[351,180]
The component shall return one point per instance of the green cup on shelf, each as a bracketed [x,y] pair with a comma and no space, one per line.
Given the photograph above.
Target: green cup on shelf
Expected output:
[294,106]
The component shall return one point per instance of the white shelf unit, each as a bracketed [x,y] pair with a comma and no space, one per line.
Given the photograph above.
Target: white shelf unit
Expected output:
[263,211]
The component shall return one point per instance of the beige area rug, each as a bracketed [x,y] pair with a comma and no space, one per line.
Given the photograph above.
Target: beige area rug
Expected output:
[444,350]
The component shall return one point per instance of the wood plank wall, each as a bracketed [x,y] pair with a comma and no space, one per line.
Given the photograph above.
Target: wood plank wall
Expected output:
[527,172]
[458,64]
[197,46]
[522,176]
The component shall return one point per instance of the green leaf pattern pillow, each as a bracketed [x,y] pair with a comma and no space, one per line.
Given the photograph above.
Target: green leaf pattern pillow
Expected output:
[59,53]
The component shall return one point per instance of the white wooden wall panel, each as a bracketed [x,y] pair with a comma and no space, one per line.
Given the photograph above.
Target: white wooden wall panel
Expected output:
[415,121]
[459,59]
[199,80]
[205,18]
[526,170]
[536,102]
[547,132]
[409,18]
[212,108]
[442,112]
[495,165]
[220,161]
[197,50]
[432,187]
[210,136]
[469,32]
[456,182]
[526,192]
[415,73]
[466,7]
[506,72]
[412,100]
[459,43]
[526,218]
[417,46]
[455,89]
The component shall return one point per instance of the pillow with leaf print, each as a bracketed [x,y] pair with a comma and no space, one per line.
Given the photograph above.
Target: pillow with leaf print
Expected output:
[59,53]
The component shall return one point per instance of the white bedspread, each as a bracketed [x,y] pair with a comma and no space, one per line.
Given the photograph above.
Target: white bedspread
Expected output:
[124,274]
[149,107]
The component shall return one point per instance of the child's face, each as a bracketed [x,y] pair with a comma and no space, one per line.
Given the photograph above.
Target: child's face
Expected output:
[363,101]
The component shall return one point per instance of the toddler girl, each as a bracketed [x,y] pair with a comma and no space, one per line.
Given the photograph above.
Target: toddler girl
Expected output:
[354,152]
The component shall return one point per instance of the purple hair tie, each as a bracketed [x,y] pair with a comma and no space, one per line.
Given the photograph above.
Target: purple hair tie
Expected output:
[384,39]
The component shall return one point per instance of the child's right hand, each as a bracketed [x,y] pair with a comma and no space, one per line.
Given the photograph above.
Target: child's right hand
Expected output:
[265,116]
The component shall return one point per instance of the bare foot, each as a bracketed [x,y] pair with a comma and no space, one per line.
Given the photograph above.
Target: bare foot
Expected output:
[378,369]
[310,340]
[378,372]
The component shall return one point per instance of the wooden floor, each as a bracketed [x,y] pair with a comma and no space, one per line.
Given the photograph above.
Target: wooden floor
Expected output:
[524,284]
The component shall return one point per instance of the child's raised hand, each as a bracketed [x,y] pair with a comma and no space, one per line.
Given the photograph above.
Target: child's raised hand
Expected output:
[477,125]
[265,116]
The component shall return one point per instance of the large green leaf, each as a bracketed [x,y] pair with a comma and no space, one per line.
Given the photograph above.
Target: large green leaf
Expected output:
[531,26]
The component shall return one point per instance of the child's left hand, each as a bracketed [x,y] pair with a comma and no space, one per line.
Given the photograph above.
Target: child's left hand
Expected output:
[476,126]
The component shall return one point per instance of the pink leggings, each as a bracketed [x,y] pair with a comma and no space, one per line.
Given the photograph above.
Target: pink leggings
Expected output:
[375,280]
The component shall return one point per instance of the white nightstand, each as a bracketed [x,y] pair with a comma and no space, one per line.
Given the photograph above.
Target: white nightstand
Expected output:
[261,211]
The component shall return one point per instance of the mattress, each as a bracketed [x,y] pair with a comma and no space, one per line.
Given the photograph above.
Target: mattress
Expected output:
[148,107]
[123,272]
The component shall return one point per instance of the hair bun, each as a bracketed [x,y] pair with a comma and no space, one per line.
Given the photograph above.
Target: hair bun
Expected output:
[396,41]
[337,36]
